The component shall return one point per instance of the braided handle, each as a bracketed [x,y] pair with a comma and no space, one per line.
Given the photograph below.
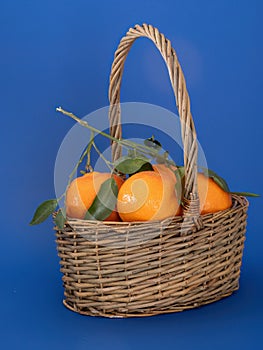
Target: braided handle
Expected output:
[191,201]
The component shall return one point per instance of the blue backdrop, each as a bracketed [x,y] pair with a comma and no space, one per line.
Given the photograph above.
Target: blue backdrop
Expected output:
[59,53]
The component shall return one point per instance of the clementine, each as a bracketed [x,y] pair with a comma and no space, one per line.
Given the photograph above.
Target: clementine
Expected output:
[147,195]
[212,197]
[164,169]
[82,192]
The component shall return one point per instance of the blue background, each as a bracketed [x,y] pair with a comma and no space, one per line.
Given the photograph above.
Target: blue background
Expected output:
[59,53]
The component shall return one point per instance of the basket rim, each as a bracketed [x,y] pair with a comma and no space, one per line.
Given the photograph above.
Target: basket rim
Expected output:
[237,201]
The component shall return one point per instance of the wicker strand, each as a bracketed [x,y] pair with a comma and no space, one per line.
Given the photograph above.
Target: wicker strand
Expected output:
[181,95]
[120,270]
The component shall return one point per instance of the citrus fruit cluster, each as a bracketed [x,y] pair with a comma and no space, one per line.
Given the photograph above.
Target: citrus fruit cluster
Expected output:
[144,196]
[151,191]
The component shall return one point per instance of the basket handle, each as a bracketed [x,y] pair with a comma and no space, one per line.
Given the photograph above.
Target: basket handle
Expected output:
[189,138]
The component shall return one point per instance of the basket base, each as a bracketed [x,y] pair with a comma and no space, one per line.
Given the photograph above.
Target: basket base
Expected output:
[98,313]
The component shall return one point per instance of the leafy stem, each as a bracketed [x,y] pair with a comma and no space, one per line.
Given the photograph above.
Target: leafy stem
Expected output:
[73,172]
[128,144]
[107,162]
[134,162]
[88,149]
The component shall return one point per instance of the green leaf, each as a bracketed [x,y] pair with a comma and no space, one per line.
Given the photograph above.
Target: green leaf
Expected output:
[105,201]
[218,179]
[151,142]
[43,211]
[246,194]
[60,218]
[129,165]
[145,167]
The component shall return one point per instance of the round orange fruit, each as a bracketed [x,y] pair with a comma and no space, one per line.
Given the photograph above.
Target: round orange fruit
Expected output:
[82,192]
[147,195]
[212,197]
[163,169]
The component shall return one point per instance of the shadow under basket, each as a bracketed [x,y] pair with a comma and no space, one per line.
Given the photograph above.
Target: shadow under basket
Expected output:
[143,269]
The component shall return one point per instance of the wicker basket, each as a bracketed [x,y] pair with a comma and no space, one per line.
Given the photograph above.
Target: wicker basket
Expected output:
[143,269]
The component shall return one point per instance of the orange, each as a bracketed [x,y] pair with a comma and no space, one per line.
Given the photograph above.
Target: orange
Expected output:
[147,195]
[163,169]
[82,192]
[212,197]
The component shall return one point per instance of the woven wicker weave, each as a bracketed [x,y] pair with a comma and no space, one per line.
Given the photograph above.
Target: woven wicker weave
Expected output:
[142,269]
